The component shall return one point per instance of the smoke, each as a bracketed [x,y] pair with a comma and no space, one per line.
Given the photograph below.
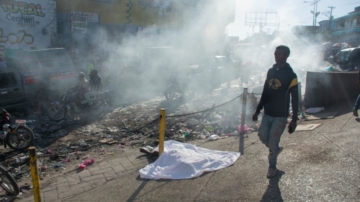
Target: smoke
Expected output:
[139,67]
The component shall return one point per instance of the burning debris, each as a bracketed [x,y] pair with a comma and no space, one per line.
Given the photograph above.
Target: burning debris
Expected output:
[69,145]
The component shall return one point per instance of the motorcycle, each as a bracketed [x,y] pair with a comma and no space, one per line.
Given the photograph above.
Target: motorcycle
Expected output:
[17,138]
[59,109]
[8,183]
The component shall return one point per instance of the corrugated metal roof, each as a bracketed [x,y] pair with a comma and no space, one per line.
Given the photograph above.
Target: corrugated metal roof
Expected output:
[346,31]
[350,15]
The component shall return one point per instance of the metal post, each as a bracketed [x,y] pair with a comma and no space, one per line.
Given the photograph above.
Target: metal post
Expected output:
[34,174]
[162,131]
[300,102]
[300,97]
[242,124]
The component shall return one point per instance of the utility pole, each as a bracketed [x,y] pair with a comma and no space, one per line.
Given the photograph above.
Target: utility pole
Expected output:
[314,12]
[331,17]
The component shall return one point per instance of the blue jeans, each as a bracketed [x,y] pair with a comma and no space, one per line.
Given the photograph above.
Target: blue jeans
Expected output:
[270,132]
[357,103]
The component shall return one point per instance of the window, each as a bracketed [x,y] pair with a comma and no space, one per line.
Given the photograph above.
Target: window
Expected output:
[32,66]
[7,80]
[358,22]
[47,64]
[341,24]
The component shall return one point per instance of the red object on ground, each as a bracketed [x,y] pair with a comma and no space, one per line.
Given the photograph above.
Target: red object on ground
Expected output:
[244,129]
[86,163]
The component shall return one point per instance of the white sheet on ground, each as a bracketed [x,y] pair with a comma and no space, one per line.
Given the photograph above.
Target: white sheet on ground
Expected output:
[184,161]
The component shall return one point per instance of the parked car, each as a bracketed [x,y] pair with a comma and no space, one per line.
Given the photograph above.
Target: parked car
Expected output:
[12,92]
[55,63]
[348,59]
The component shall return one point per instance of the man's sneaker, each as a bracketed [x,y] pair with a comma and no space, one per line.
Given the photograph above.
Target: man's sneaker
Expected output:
[355,113]
[271,173]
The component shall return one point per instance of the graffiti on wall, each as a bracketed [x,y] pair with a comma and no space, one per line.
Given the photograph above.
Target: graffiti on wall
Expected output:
[162,8]
[23,20]
[16,38]
[16,16]
[10,6]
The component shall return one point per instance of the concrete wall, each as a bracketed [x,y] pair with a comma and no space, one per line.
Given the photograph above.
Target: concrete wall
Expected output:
[324,89]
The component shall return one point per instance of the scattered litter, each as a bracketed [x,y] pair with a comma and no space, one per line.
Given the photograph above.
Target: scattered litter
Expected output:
[214,137]
[147,150]
[315,110]
[243,129]
[104,141]
[307,127]
[86,163]
[82,143]
[209,129]
[57,165]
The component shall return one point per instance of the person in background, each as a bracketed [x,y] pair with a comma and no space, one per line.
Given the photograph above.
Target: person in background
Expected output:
[95,84]
[5,118]
[281,81]
[357,103]
[2,62]
[81,88]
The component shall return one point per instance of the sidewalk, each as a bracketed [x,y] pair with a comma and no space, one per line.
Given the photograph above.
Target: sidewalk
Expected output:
[318,165]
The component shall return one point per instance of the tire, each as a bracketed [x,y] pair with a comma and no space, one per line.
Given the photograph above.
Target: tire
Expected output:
[23,134]
[8,183]
[57,112]
[98,107]
[170,92]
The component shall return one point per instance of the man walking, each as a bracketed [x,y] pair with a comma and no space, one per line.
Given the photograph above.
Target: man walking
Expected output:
[281,81]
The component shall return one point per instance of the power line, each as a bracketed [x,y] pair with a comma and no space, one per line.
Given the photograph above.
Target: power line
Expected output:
[348,4]
[314,12]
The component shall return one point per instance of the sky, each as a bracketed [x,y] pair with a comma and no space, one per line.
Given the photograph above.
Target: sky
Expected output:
[289,13]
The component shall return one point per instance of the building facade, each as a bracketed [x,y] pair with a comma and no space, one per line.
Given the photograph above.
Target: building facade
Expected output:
[327,25]
[347,28]
[81,20]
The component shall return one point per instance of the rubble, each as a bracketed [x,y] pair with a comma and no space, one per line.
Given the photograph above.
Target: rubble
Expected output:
[67,145]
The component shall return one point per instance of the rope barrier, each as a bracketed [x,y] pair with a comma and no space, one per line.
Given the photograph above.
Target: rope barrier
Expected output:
[205,110]
[147,124]
[186,114]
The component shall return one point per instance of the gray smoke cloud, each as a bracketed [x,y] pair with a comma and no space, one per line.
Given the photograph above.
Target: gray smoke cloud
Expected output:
[139,66]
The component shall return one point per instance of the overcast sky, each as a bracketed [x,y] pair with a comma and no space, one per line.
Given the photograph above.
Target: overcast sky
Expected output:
[290,13]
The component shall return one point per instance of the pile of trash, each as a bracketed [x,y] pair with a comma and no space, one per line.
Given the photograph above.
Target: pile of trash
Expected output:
[71,145]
